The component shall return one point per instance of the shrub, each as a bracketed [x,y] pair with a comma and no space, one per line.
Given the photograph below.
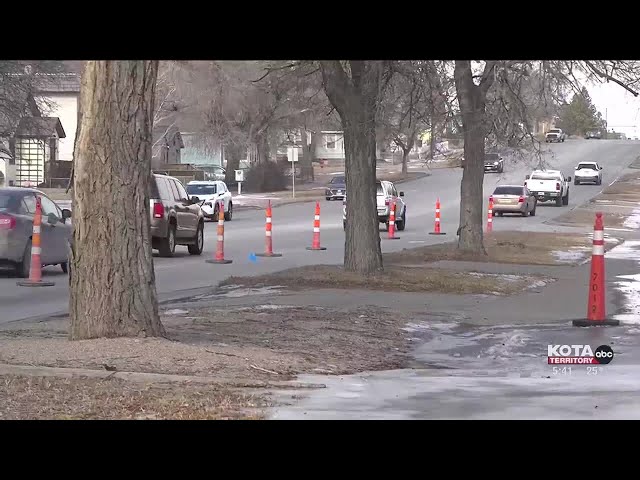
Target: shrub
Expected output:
[266,177]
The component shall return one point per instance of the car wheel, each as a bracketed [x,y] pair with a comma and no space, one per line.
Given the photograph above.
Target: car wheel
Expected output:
[558,201]
[168,244]
[23,269]
[328,199]
[228,216]
[500,214]
[403,221]
[525,213]
[65,267]
[344,225]
[196,249]
[565,199]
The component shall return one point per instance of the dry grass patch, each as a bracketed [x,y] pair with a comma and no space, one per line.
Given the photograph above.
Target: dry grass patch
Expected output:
[526,248]
[586,217]
[399,176]
[395,278]
[42,398]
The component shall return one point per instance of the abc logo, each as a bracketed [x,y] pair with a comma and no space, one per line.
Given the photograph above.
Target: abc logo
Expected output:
[604,354]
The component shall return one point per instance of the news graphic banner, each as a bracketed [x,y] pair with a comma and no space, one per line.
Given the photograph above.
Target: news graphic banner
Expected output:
[579,355]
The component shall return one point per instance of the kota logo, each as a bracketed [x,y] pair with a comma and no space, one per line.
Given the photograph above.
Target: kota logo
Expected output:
[579,355]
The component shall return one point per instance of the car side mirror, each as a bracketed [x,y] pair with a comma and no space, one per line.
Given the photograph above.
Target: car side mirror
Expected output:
[195,200]
[402,194]
[600,168]
[52,218]
[527,177]
[568,179]
[66,213]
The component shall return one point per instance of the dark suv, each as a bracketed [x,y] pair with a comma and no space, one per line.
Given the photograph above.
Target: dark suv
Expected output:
[176,218]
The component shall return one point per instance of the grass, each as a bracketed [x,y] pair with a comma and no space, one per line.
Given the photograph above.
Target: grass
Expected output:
[44,398]
[527,248]
[394,278]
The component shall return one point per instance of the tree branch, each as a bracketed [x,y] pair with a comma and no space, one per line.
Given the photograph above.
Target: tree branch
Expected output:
[608,77]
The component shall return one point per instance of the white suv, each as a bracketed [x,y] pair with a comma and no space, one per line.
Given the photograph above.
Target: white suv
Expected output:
[386,193]
[211,194]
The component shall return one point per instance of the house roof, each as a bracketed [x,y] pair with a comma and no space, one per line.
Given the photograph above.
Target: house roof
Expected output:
[57,83]
[40,127]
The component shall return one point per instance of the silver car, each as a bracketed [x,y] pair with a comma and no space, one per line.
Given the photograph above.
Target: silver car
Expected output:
[17,209]
[513,199]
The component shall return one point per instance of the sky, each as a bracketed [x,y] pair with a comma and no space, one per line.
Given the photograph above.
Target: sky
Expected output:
[621,108]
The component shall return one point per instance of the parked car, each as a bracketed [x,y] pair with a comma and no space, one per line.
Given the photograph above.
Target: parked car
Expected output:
[17,209]
[211,194]
[386,193]
[176,218]
[587,172]
[549,185]
[513,199]
[597,134]
[493,162]
[555,135]
[336,189]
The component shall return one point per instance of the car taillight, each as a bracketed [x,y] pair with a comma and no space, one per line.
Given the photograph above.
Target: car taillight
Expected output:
[7,222]
[557,185]
[491,198]
[386,202]
[521,199]
[158,210]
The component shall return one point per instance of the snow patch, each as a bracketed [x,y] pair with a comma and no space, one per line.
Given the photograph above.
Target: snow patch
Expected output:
[175,311]
[633,220]
[570,256]
[628,250]
[630,289]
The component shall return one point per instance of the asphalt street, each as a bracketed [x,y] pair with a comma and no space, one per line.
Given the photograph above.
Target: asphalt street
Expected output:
[293,227]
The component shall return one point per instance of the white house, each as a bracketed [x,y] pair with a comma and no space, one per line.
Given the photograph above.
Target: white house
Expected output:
[61,91]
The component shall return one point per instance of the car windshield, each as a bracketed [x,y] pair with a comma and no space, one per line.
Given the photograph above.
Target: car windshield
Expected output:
[491,157]
[554,130]
[545,176]
[508,190]
[591,166]
[339,180]
[201,189]
[379,191]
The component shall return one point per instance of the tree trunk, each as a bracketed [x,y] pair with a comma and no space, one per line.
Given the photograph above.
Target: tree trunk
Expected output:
[355,100]
[306,163]
[113,292]
[233,153]
[405,157]
[262,147]
[472,109]
[432,141]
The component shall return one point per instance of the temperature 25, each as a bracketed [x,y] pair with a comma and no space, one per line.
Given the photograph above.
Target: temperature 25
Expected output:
[594,370]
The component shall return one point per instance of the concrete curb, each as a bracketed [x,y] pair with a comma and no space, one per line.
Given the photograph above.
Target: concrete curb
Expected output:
[139,377]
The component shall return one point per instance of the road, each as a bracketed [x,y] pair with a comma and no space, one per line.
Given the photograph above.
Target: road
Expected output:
[293,227]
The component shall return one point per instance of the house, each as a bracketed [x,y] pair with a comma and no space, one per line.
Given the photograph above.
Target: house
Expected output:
[60,93]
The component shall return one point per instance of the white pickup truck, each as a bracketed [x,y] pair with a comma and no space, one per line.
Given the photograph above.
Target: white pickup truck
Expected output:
[555,135]
[547,185]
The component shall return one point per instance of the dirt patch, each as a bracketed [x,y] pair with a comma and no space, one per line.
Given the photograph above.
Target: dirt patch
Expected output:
[399,177]
[395,278]
[532,248]
[38,398]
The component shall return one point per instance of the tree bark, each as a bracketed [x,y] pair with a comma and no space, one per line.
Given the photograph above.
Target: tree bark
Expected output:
[356,99]
[472,108]
[306,164]
[432,140]
[405,157]
[112,282]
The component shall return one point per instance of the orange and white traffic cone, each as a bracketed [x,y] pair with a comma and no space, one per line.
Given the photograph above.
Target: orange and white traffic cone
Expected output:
[436,229]
[219,258]
[35,270]
[268,251]
[596,307]
[490,215]
[316,231]
[392,222]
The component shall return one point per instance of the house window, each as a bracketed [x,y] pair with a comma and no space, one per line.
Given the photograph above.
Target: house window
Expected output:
[30,160]
[331,142]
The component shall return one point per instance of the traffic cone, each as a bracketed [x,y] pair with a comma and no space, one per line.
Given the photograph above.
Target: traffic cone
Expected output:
[392,222]
[596,307]
[35,272]
[490,215]
[316,231]
[436,229]
[219,258]
[268,252]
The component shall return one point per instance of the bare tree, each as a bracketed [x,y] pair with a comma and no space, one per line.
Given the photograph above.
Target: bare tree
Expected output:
[112,280]
[355,88]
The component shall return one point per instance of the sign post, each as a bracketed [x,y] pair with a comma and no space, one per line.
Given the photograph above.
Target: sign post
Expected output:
[292,156]
[239,179]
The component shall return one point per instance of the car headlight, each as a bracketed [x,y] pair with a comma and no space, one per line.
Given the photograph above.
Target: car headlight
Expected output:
[495,163]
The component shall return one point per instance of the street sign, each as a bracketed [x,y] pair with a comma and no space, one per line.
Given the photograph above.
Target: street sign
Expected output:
[239,175]
[292,154]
